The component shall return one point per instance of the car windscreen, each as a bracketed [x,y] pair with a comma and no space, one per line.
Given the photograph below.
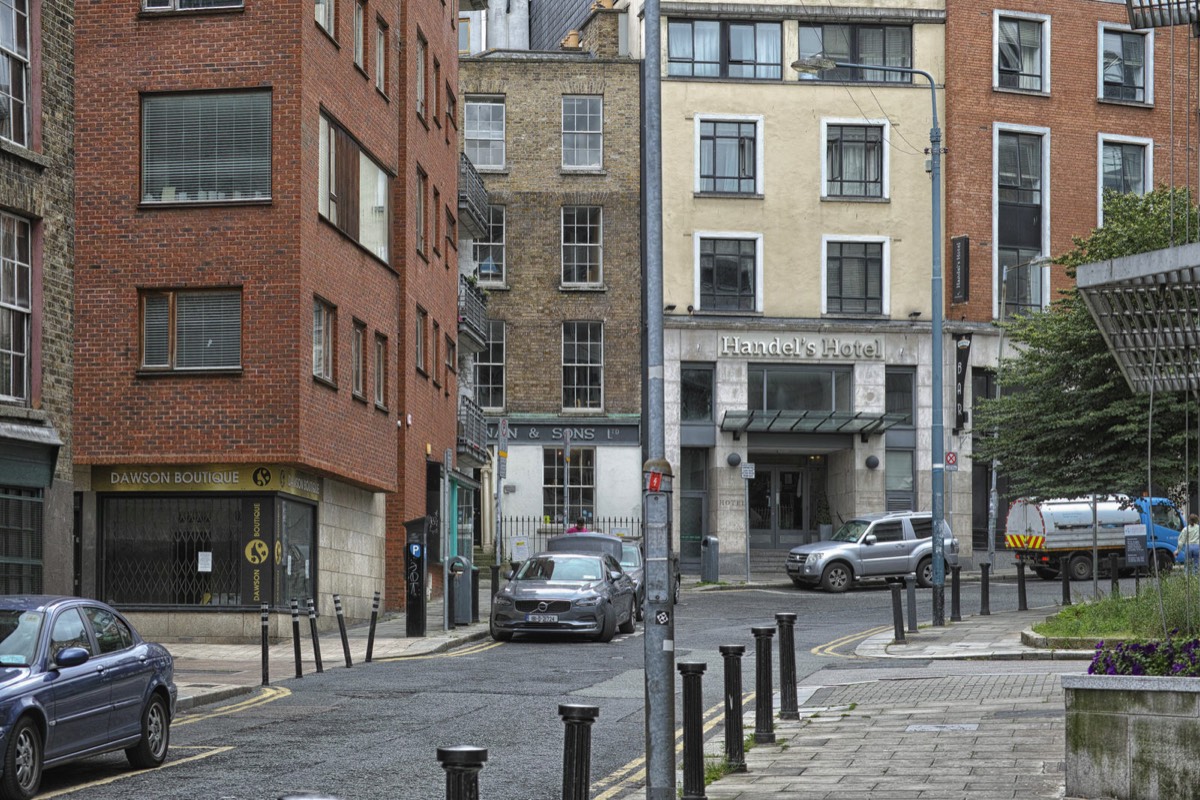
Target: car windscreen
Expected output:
[561,568]
[631,556]
[19,631]
[852,531]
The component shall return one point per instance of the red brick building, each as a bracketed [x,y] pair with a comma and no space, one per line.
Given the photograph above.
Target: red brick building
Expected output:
[243,263]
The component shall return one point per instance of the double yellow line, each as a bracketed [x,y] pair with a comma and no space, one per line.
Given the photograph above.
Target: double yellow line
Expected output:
[465,651]
[830,649]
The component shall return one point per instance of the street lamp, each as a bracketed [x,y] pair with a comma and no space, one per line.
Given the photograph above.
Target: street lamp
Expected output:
[937,441]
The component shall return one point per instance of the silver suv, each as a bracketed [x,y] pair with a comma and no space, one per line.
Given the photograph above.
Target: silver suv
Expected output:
[889,545]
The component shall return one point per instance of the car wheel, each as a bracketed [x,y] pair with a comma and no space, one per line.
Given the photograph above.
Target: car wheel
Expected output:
[498,634]
[1080,568]
[22,762]
[925,573]
[151,749]
[630,625]
[836,577]
[608,629]
[1165,562]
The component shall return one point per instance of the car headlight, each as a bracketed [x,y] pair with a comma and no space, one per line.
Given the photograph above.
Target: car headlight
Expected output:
[814,558]
[502,600]
[589,601]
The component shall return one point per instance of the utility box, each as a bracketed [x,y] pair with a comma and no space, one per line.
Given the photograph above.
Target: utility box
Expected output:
[460,578]
[710,558]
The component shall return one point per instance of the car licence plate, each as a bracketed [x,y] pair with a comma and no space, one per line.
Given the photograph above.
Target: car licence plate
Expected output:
[541,618]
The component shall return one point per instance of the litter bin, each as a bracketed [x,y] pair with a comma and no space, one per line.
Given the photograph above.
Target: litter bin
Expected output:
[710,555]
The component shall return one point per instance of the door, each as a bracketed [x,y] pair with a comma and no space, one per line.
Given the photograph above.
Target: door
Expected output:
[779,507]
[889,554]
[82,694]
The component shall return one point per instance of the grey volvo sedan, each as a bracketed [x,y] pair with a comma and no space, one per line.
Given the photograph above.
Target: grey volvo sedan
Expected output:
[579,593]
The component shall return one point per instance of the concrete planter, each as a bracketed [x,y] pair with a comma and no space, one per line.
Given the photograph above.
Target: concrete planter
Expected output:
[1132,738]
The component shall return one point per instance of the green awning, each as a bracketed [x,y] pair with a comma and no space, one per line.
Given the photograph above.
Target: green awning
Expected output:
[846,422]
[28,454]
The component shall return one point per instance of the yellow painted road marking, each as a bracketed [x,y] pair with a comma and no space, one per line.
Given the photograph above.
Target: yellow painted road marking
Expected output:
[210,751]
[268,694]
[830,649]
[466,651]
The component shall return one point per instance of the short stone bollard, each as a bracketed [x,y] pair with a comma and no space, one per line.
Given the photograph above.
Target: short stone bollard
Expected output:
[316,639]
[786,624]
[985,589]
[296,637]
[897,614]
[1022,600]
[577,750]
[693,729]
[371,632]
[735,747]
[764,701]
[462,764]
[341,621]
[265,610]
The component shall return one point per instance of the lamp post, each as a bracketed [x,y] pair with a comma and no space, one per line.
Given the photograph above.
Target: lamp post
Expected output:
[937,442]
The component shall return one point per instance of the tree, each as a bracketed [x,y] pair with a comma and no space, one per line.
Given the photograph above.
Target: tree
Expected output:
[1067,423]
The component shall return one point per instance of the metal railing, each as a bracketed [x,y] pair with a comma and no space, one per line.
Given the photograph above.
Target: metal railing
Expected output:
[472,432]
[531,533]
[472,316]
[472,200]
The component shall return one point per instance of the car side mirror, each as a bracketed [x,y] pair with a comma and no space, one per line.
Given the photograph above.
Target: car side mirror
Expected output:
[869,539]
[508,575]
[614,575]
[71,657]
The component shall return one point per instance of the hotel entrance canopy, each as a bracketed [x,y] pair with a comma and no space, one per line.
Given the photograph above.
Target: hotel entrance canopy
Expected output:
[1148,310]
[862,423]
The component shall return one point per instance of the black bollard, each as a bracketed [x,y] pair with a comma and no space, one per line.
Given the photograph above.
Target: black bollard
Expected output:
[1066,580]
[955,615]
[474,594]
[462,765]
[1022,601]
[1114,574]
[296,637]
[735,747]
[897,614]
[910,584]
[693,730]
[495,579]
[985,589]
[577,750]
[266,644]
[451,601]
[312,626]
[786,624]
[341,618]
[371,632]
[764,724]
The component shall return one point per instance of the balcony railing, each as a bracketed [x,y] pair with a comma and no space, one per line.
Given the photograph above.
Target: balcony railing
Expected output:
[472,433]
[472,200]
[472,316]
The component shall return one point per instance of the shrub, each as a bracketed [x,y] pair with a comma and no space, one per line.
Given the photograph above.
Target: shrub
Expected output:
[1172,657]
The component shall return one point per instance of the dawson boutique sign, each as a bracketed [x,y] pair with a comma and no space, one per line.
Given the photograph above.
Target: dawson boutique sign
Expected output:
[803,347]
[206,478]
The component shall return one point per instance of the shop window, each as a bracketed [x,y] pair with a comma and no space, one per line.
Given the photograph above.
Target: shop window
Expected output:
[575,480]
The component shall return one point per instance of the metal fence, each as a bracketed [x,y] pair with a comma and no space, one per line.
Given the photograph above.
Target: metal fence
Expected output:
[528,535]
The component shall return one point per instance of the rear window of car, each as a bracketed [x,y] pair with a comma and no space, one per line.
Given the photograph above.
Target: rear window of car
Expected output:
[922,527]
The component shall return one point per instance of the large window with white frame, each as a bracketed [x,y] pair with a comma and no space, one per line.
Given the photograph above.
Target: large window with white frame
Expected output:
[489,251]
[856,158]
[582,245]
[16,309]
[725,49]
[572,481]
[205,147]
[582,131]
[1126,166]
[1021,51]
[353,189]
[884,45]
[381,55]
[1126,64]
[489,369]
[360,34]
[191,329]
[1022,162]
[855,277]
[325,14]
[583,365]
[728,271]
[483,139]
[729,154]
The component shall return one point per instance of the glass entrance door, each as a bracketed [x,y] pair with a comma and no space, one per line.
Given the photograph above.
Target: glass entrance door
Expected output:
[779,507]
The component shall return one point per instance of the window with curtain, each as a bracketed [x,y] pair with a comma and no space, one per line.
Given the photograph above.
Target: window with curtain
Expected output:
[484,134]
[323,339]
[854,277]
[725,49]
[191,329]
[1124,167]
[1019,56]
[489,369]
[16,309]
[728,156]
[582,245]
[728,272]
[582,131]
[489,251]
[886,45]
[14,72]
[353,190]
[583,365]
[206,147]
[854,160]
[1123,63]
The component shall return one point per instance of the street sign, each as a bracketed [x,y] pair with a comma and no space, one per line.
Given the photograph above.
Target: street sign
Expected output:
[502,460]
[951,461]
[502,433]
[748,469]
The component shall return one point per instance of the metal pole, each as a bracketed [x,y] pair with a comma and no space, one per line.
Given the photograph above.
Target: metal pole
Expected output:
[660,635]
[341,621]
[577,750]
[444,534]
[1095,550]
[1022,602]
[296,637]
[985,590]
[1066,580]
[786,623]
[659,632]
[897,615]
[462,765]
[735,748]
[910,584]
[693,730]
[764,701]
[955,615]
[938,456]
[746,501]
[371,632]
[312,626]
[266,622]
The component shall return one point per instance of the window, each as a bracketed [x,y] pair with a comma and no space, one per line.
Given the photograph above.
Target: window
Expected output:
[191,330]
[855,276]
[464,36]
[451,234]
[489,369]
[437,92]
[323,339]
[358,359]
[112,634]
[16,309]
[437,219]
[713,49]
[582,245]
[360,34]
[354,191]
[856,159]
[696,393]
[583,365]
[422,47]
[437,354]
[1021,160]
[729,272]
[574,481]
[775,387]
[451,111]
[14,71]
[898,481]
[381,55]
[188,5]
[582,131]
[451,357]
[729,156]
[1126,167]
[206,147]
[484,134]
[1022,51]
[885,45]
[325,14]
[900,393]
[381,382]
[68,631]
[419,210]
[1126,65]
[488,252]
[422,322]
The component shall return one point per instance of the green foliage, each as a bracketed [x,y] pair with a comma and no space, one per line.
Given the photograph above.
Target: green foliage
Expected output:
[1136,617]
[1067,423]
[1106,617]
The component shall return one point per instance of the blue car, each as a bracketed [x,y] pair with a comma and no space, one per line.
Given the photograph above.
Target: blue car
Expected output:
[77,680]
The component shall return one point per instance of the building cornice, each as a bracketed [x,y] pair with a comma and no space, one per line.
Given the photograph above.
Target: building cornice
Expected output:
[805,12]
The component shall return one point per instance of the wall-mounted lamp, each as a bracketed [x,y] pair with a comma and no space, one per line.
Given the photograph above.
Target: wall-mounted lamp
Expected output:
[914,314]
[690,309]
[669,307]
[872,462]
[733,459]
